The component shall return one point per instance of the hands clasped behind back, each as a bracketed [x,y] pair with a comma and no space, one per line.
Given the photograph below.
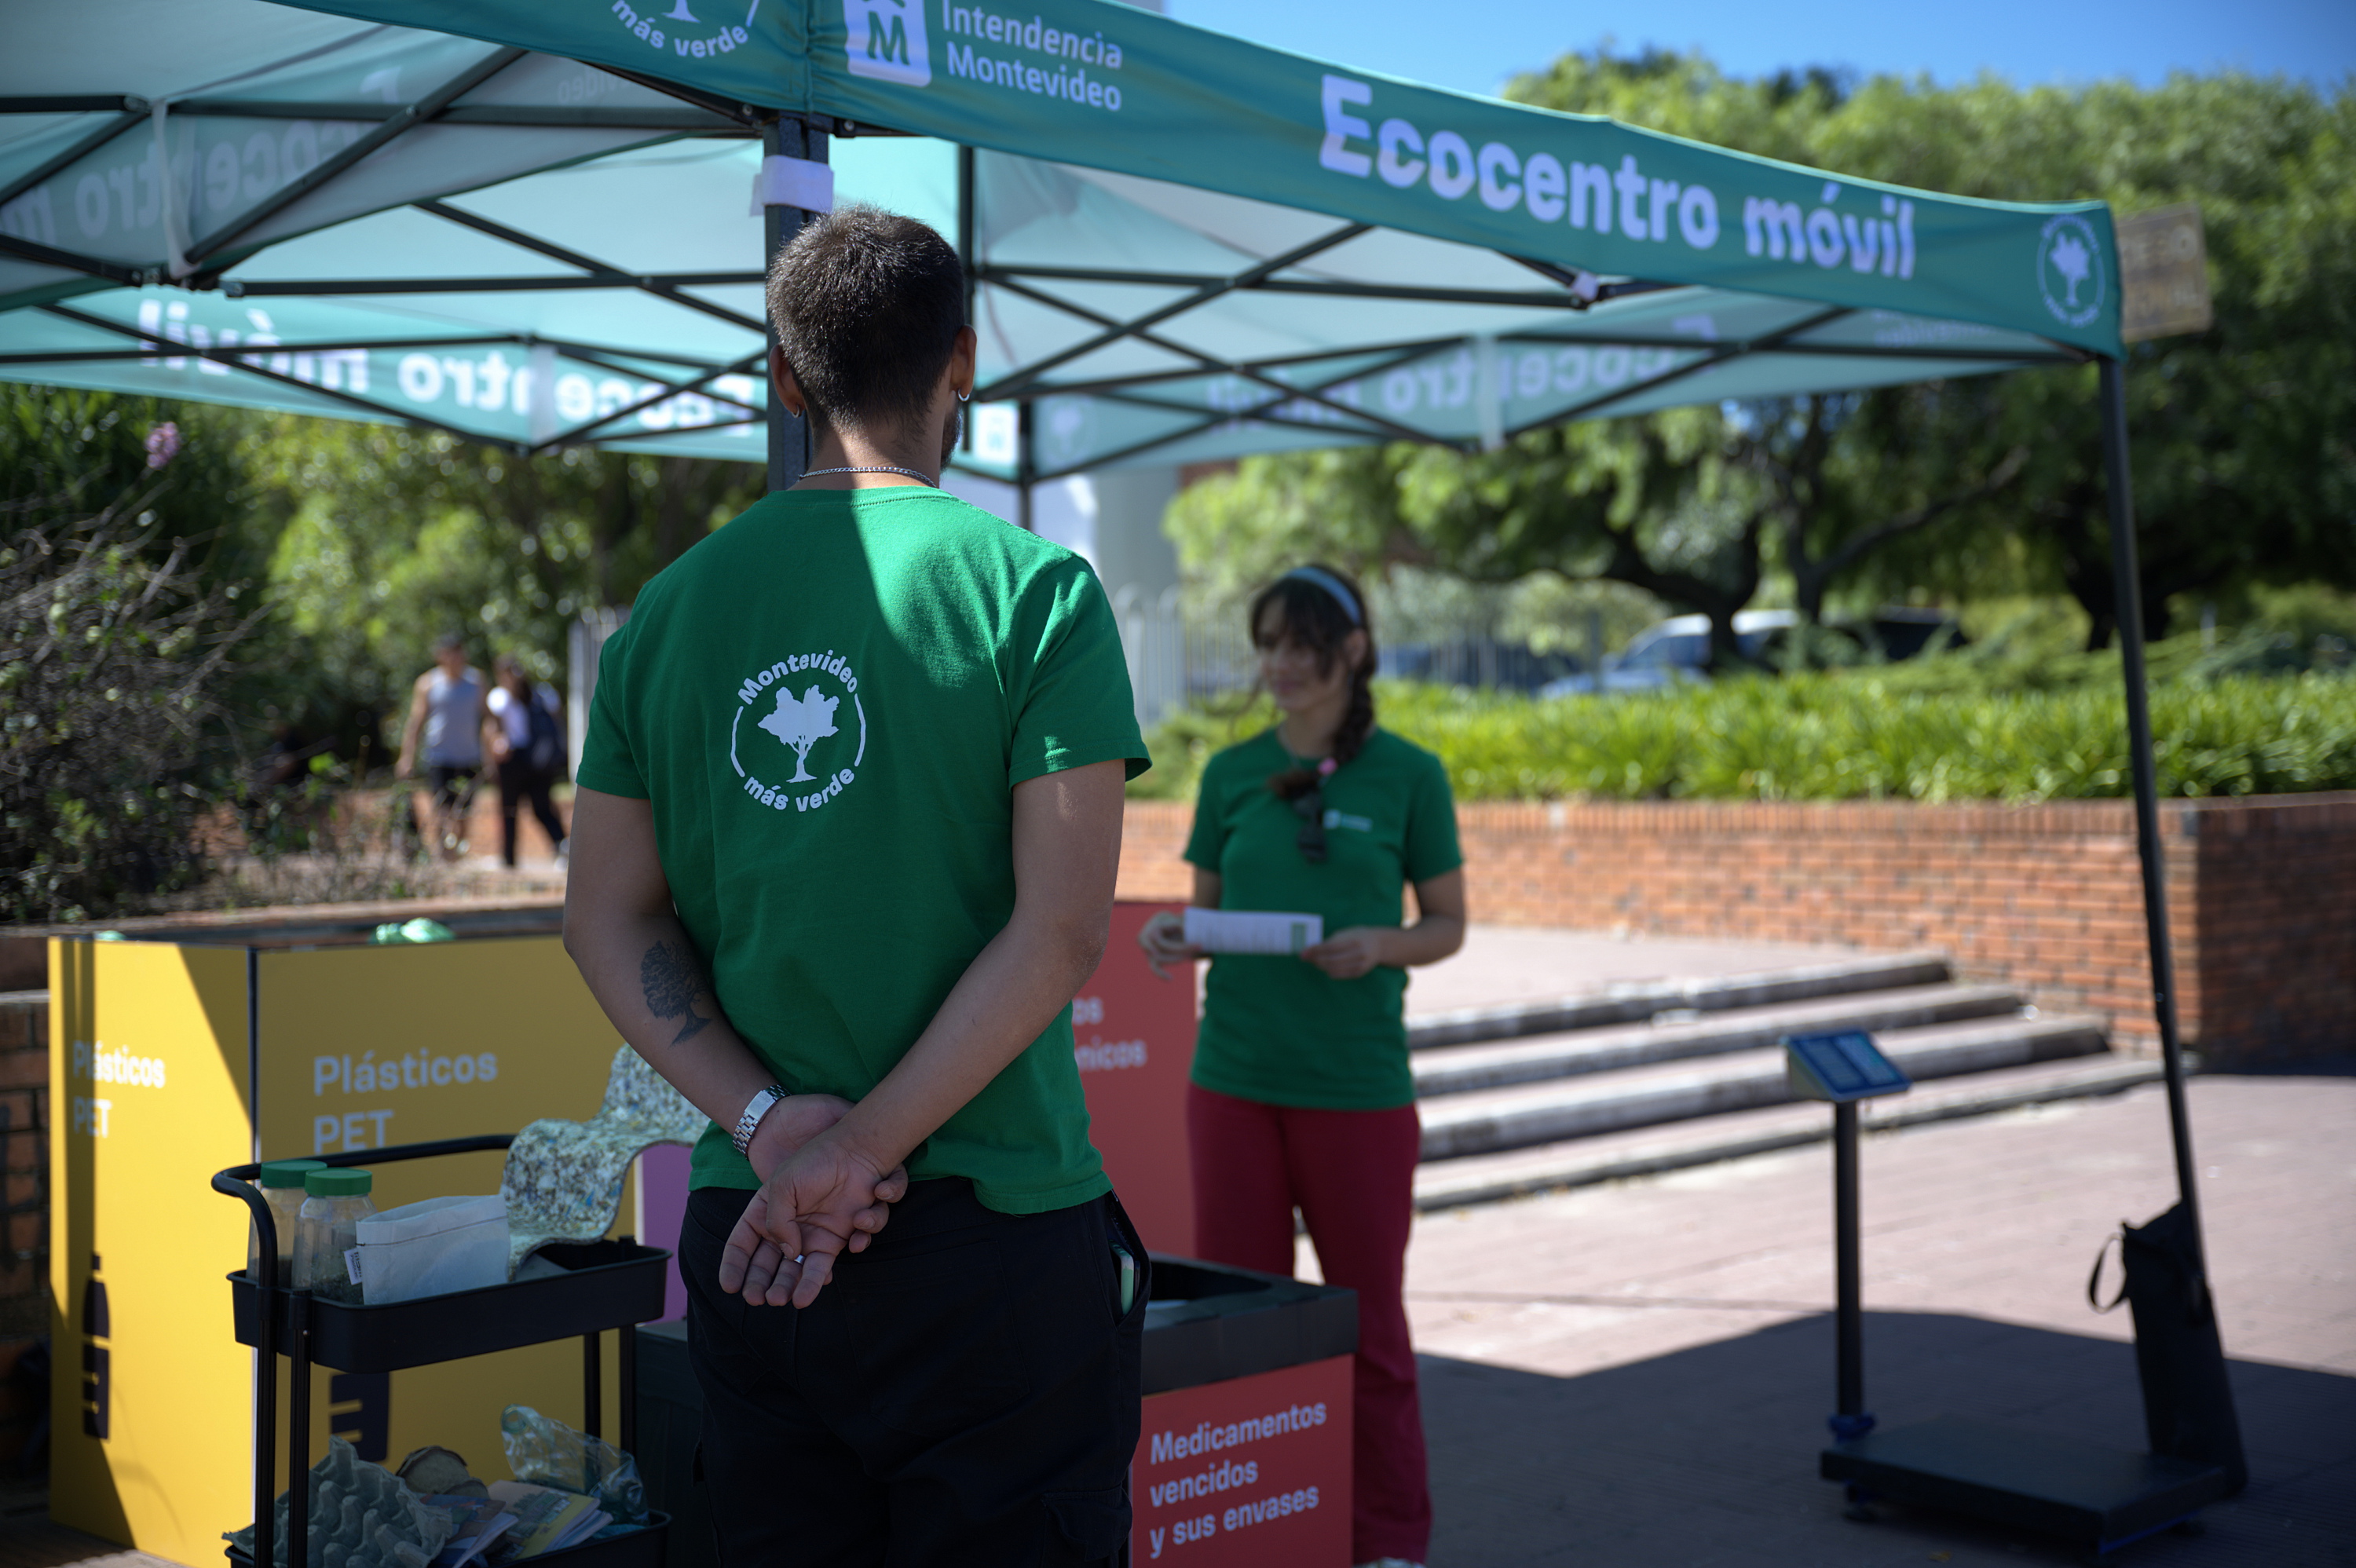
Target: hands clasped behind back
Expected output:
[820,1199]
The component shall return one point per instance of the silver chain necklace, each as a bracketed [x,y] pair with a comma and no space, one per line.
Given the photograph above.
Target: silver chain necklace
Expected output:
[879,468]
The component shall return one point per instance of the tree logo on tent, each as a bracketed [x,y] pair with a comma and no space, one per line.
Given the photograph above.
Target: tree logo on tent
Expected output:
[2070,268]
[1069,427]
[885,39]
[798,702]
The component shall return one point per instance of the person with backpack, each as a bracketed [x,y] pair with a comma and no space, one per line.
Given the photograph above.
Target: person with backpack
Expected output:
[526,741]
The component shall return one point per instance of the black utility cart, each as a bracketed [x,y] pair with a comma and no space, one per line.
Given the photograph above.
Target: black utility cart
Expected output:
[614,1284]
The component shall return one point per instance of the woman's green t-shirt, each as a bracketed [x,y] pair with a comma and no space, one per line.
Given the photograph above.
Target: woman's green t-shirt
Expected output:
[1278,1029]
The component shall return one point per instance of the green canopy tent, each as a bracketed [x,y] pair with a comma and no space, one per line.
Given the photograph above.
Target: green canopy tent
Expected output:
[536,226]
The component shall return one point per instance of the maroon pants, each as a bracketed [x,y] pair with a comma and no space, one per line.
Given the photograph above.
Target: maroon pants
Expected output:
[1353,1175]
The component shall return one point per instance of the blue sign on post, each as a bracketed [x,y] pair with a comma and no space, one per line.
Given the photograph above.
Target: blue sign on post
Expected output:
[1841,1068]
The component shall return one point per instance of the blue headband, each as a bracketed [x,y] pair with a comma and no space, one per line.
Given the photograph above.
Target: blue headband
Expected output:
[1331,585]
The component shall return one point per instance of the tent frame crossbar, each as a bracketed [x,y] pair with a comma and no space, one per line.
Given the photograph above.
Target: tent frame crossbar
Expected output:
[1025,380]
[655,121]
[385,411]
[650,282]
[133,113]
[1213,421]
[1409,348]
[666,391]
[1716,354]
[238,355]
[588,264]
[1511,299]
[240,358]
[1211,362]
[422,111]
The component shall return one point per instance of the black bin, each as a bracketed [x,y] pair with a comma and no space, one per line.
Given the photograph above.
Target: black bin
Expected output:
[1245,1373]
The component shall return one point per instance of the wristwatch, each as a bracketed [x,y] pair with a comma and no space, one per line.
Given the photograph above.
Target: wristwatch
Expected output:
[750,1122]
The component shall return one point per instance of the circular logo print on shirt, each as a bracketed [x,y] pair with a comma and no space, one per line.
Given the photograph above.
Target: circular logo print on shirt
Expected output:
[800,732]
[2070,268]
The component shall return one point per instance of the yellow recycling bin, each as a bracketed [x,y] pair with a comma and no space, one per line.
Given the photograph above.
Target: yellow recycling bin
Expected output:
[170,1061]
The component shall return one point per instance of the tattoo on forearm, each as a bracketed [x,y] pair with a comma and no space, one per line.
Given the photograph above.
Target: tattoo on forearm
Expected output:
[671,980]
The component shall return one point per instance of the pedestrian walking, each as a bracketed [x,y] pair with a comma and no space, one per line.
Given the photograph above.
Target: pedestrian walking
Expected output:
[1301,1096]
[525,736]
[445,714]
[845,834]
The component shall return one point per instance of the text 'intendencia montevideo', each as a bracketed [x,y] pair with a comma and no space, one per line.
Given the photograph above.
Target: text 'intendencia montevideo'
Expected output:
[1072,69]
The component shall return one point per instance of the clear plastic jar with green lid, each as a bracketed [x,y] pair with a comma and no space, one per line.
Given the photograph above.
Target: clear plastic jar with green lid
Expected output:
[335,1201]
[281,1182]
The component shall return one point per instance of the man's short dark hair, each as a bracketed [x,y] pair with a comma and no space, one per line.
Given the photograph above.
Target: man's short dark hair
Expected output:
[868,305]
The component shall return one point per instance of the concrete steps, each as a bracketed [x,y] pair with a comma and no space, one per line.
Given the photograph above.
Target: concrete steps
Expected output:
[1641,1001]
[1485,1121]
[1659,1074]
[1650,1151]
[1459,1069]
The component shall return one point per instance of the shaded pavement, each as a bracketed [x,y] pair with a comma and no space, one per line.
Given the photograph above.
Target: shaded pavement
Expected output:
[1639,1373]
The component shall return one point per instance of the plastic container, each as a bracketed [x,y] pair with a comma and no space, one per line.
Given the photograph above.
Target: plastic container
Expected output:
[281,1182]
[433,1248]
[334,1203]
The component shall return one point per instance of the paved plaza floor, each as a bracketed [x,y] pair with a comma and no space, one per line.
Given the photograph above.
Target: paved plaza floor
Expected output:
[1639,1373]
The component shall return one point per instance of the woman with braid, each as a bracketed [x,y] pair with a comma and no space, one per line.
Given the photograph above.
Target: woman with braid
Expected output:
[1301,1093]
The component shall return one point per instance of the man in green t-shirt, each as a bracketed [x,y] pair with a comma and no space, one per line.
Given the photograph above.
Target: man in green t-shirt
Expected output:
[848,815]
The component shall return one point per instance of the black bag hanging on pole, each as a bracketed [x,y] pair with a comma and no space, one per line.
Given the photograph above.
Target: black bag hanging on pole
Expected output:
[2187,1406]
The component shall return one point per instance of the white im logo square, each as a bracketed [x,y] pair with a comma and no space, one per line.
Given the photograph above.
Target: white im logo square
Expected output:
[885,39]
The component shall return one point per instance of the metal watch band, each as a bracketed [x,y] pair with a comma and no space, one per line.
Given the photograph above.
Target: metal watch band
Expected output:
[750,1122]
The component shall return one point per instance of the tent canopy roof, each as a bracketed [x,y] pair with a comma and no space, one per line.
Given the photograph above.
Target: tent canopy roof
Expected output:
[532,228]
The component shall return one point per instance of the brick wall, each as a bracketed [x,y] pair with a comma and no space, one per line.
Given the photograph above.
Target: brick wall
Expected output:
[2272,949]
[24,1250]
[2262,894]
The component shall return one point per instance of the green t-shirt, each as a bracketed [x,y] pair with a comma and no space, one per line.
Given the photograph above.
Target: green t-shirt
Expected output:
[829,702]
[1278,1029]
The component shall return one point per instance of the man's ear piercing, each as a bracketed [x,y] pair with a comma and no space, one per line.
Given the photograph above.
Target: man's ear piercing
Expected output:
[965,396]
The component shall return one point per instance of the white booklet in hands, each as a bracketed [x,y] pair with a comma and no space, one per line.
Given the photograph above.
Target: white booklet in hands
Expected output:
[1252,930]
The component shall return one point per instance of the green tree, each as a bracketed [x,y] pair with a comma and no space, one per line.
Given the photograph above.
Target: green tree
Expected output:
[390,537]
[2244,467]
[112,671]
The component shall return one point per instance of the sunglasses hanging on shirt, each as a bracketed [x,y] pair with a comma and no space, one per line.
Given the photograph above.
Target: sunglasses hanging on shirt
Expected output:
[1310,807]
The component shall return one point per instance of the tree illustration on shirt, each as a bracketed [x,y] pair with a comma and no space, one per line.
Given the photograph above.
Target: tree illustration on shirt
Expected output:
[801,722]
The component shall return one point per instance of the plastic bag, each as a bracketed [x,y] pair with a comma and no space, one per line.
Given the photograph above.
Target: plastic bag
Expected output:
[545,1451]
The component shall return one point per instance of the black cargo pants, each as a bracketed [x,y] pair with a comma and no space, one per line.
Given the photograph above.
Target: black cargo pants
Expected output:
[963,1392]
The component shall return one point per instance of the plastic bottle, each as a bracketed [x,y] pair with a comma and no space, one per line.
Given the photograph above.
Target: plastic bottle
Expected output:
[281,1182]
[335,1201]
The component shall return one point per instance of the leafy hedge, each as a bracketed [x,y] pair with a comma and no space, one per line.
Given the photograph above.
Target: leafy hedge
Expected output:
[1844,736]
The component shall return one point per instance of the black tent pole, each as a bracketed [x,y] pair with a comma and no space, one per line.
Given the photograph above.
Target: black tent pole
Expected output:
[789,451]
[1024,466]
[2128,588]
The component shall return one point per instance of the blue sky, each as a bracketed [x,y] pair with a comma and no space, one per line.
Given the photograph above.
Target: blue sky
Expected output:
[1475,45]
